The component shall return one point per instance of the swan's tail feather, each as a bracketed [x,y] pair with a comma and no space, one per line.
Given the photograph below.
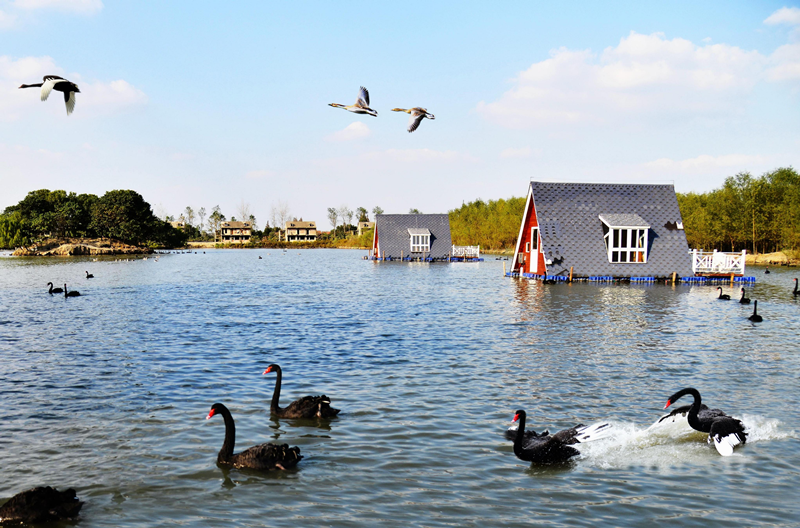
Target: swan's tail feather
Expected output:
[592,432]
[725,444]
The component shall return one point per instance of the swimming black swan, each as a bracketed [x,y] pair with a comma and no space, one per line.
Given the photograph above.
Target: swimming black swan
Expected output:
[89,275]
[795,292]
[54,82]
[755,317]
[766,271]
[545,448]
[307,407]
[39,505]
[262,456]
[54,290]
[725,432]
[723,296]
[744,300]
[71,293]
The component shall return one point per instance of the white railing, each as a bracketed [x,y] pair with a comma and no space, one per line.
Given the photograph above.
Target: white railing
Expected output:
[717,262]
[466,251]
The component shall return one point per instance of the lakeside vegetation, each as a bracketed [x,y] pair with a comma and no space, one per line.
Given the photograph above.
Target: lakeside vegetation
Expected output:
[121,215]
[760,214]
[493,225]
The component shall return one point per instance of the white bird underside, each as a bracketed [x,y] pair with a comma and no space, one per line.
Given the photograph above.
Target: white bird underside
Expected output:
[724,444]
[69,96]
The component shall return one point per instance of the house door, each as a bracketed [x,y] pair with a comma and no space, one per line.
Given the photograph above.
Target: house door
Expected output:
[534,258]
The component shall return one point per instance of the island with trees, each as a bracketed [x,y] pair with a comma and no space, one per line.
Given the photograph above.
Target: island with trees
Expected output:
[60,223]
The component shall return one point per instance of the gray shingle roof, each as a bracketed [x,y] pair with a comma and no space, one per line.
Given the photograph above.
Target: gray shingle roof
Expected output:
[572,232]
[624,220]
[393,231]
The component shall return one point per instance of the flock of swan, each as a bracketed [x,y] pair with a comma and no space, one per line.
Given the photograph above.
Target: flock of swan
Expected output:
[756,318]
[361,106]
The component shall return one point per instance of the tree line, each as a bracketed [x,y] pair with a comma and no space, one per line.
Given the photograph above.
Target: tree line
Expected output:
[760,214]
[121,214]
[492,224]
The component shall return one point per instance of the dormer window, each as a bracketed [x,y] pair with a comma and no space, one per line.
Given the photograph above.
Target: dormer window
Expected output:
[420,239]
[626,237]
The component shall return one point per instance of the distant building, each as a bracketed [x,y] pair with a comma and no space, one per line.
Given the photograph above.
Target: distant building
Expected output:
[365,226]
[236,232]
[178,225]
[601,229]
[412,236]
[299,231]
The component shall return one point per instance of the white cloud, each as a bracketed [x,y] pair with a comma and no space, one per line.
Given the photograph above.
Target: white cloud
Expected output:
[110,97]
[355,130]
[705,162]
[524,152]
[259,174]
[645,77]
[784,15]
[6,20]
[77,6]
[785,63]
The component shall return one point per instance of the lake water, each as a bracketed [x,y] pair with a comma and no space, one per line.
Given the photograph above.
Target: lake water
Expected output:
[108,392]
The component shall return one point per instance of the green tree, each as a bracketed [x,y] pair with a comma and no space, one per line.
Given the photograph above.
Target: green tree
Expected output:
[13,232]
[362,214]
[124,215]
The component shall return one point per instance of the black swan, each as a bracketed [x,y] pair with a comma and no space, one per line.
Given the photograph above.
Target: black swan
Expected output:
[545,448]
[725,432]
[744,300]
[39,505]
[766,271]
[307,407]
[261,456]
[89,275]
[795,292]
[723,296]
[73,293]
[54,82]
[755,317]
[54,290]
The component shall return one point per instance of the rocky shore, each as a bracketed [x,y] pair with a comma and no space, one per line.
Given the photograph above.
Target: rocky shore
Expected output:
[771,259]
[79,246]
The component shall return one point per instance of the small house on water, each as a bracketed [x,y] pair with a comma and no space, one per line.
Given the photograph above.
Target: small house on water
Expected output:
[585,230]
[411,237]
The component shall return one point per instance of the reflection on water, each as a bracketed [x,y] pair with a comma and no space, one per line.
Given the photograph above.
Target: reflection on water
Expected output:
[108,392]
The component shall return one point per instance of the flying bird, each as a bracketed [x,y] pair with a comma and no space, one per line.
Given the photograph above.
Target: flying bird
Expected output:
[361,105]
[417,115]
[54,82]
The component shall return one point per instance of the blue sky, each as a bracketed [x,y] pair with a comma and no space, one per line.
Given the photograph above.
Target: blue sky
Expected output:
[202,104]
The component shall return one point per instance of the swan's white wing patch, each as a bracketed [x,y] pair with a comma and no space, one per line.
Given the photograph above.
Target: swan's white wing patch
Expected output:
[414,122]
[363,97]
[725,444]
[69,99]
[47,87]
[593,432]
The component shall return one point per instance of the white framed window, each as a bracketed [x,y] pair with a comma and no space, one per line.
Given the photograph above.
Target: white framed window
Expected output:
[627,245]
[626,237]
[420,243]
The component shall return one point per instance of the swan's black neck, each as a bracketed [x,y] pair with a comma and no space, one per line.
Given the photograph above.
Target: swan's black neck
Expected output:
[795,287]
[520,433]
[276,394]
[755,307]
[230,434]
[31,85]
[694,409]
